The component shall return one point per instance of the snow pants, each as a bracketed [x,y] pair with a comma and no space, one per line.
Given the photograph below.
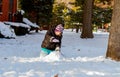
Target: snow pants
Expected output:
[44,52]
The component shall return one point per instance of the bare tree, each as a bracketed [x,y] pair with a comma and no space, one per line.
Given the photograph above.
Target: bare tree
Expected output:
[87,19]
[113,50]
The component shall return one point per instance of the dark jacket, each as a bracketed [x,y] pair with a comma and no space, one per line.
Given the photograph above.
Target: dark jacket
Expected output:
[51,45]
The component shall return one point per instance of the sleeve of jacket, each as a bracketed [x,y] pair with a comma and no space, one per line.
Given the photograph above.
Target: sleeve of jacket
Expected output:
[59,44]
[46,40]
[50,34]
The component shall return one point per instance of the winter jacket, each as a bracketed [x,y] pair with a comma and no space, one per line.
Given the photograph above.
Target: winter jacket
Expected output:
[48,44]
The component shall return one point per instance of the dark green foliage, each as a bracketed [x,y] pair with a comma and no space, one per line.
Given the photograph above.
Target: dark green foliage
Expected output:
[42,10]
[27,5]
[79,2]
[58,14]
[101,15]
[79,13]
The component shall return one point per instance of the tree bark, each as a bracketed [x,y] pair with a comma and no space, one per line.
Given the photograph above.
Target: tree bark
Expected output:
[113,50]
[87,19]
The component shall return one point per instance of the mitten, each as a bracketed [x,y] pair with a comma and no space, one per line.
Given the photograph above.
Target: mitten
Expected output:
[57,49]
[55,40]
[52,39]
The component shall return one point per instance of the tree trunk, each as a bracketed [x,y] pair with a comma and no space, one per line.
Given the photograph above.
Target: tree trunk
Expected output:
[77,28]
[87,19]
[37,19]
[113,50]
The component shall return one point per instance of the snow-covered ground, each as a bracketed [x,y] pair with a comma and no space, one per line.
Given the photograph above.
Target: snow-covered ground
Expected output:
[19,57]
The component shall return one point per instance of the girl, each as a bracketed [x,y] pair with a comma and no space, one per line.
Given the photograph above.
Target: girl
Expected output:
[52,40]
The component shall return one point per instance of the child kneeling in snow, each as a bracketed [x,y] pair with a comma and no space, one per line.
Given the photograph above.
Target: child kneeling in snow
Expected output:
[52,40]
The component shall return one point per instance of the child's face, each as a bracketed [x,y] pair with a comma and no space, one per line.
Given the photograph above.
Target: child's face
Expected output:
[58,33]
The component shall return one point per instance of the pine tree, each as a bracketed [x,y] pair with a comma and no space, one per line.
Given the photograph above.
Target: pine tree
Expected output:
[41,8]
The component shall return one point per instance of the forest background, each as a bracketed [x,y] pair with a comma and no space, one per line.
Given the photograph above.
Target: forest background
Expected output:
[46,12]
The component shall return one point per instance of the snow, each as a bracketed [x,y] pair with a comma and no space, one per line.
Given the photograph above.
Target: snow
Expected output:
[6,31]
[19,57]
[17,24]
[21,11]
[25,20]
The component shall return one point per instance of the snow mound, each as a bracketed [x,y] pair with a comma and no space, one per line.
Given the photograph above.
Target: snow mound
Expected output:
[53,56]
[28,22]
[6,31]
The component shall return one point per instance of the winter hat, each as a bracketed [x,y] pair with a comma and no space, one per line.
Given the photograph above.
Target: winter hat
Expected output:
[59,28]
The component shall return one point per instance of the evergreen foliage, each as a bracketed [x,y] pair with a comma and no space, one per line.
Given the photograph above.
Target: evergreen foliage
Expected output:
[47,11]
[102,16]
[41,8]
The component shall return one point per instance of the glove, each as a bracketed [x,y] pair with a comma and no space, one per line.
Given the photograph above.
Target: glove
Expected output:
[52,39]
[57,49]
[55,40]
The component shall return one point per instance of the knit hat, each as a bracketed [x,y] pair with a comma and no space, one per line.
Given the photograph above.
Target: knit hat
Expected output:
[59,28]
